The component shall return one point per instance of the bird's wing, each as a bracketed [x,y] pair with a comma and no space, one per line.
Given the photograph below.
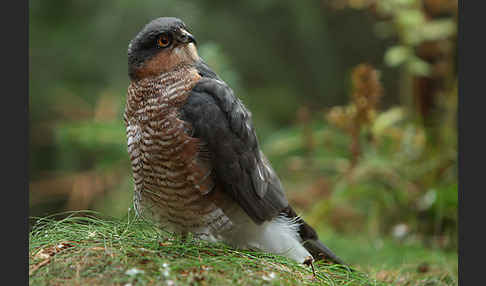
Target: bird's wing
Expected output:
[223,124]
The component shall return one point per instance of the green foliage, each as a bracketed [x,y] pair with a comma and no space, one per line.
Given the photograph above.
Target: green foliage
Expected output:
[84,249]
[103,139]
[88,250]
[412,28]
[394,181]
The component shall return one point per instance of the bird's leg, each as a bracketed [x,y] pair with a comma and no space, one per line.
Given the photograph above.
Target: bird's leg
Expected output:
[205,236]
[184,236]
[309,262]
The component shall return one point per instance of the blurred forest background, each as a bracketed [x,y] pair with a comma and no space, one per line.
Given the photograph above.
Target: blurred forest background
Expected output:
[354,103]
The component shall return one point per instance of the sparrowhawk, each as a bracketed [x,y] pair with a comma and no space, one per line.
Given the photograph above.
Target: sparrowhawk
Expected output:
[196,161]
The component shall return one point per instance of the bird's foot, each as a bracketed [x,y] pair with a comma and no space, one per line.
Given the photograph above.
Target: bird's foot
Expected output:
[309,262]
[184,237]
[204,236]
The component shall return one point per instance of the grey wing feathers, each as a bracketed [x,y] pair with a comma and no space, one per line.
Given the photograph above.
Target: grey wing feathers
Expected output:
[223,123]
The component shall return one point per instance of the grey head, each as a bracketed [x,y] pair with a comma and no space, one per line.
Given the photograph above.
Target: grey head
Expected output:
[159,36]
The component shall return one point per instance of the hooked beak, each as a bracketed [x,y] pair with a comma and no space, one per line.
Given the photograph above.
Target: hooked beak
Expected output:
[185,37]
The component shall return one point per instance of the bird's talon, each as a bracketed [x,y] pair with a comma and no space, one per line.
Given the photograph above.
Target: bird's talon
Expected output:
[309,262]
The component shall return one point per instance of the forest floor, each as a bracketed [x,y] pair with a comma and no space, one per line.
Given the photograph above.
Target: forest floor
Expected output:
[90,251]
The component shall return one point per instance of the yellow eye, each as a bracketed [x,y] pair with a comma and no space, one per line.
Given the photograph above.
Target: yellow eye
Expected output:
[164,40]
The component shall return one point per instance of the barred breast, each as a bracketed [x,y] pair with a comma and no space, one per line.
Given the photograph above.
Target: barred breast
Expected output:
[172,180]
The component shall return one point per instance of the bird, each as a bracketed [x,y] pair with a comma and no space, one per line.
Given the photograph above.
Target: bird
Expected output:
[196,162]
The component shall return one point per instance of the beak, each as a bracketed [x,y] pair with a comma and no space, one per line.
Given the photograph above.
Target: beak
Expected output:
[185,37]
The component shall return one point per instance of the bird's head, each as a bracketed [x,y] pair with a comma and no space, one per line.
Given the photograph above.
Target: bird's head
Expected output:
[162,45]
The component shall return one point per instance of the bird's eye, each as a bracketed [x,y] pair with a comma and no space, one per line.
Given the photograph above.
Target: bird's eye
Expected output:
[164,40]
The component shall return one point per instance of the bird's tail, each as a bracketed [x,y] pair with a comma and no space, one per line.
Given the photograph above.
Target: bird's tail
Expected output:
[311,242]
[320,251]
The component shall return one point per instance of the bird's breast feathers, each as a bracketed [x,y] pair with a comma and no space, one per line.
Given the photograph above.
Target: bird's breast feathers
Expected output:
[171,180]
